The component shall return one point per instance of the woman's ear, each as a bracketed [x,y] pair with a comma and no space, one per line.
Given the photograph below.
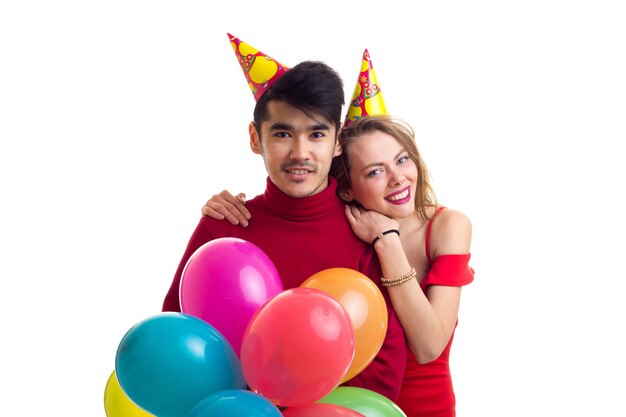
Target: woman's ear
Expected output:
[346,195]
[255,145]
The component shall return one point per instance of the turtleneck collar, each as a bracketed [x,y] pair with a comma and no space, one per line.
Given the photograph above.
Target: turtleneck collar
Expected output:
[305,208]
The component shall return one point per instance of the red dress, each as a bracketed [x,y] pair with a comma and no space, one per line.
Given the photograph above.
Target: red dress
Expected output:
[427,389]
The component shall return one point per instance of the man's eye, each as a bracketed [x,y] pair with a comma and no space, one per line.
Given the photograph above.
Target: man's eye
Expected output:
[318,135]
[282,134]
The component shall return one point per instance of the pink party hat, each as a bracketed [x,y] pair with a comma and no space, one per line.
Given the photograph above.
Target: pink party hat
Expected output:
[367,99]
[260,70]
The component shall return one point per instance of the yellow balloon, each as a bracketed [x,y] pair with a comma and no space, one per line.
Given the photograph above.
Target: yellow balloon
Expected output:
[365,305]
[117,404]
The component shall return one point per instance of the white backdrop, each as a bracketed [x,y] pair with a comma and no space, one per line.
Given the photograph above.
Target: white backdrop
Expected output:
[118,119]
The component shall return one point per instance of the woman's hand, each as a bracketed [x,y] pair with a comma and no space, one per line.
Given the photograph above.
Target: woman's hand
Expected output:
[368,224]
[226,206]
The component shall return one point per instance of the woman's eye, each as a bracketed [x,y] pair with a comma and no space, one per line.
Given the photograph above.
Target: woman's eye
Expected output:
[374,172]
[403,159]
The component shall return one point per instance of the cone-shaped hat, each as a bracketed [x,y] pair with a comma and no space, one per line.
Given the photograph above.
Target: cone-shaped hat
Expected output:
[261,71]
[367,99]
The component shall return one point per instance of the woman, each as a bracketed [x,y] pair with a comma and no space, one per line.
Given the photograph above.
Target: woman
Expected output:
[423,248]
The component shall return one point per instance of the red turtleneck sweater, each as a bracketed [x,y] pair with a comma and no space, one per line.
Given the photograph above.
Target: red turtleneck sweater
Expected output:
[303,236]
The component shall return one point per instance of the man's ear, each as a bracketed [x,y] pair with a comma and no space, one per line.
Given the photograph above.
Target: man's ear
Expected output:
[255,145]
[337,148]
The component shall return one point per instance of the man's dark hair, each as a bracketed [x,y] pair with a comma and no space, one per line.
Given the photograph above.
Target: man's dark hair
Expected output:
[312,87]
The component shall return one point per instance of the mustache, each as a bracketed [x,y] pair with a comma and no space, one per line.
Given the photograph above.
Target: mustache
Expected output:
[296,165]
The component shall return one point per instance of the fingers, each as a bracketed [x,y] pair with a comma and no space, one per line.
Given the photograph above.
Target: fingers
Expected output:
[242,213]
[348,212]
[226,206]
[241,197]
[228,211]
[356,212]
[208,211]
[352,214]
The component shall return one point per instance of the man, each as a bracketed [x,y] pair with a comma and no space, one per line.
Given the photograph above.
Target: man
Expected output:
[299,221]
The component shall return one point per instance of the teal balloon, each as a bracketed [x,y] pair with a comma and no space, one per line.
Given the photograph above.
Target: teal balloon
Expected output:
[234,403]
[168,363]
[364,401]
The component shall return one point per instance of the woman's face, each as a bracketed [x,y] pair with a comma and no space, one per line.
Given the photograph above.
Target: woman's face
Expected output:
[383,176]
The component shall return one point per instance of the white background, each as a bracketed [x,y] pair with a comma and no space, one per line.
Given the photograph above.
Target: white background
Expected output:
[118,119]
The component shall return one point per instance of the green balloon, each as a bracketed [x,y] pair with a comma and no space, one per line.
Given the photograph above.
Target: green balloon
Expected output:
[364,401]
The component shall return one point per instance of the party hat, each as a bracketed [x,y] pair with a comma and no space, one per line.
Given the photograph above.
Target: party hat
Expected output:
[260,70]
[367,99]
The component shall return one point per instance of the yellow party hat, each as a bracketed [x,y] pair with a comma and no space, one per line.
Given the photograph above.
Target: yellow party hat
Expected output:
[367,100]
[261,71]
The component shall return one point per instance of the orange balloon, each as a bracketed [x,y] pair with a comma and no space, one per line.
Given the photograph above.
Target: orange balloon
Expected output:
[365,305]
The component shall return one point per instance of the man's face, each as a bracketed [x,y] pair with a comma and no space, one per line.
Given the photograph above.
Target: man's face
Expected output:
[297,149]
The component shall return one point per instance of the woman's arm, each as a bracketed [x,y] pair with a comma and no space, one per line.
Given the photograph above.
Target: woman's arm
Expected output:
[226,206]
[427,319]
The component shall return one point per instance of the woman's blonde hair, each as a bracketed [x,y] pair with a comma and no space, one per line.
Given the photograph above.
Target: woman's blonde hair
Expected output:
[403,133]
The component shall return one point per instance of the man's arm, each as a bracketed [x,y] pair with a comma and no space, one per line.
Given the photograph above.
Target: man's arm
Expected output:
[199,237]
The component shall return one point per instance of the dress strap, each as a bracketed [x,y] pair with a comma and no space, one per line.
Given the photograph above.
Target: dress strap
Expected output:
[430,226]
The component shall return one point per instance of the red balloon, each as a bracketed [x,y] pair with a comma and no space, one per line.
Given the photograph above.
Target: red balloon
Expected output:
[224,282]
[365,305]
[320,410]
[297,347]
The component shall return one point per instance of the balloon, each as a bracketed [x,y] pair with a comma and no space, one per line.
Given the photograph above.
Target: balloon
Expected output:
[320,410]
[364,401]
[234,403]
[224,282]
[117,404]
[365,305]
[297,347]
[169,362]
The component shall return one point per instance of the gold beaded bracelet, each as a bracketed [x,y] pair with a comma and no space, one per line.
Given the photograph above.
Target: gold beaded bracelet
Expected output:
[400,280]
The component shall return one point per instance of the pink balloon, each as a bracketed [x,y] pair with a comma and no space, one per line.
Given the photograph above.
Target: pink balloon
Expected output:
[297,347]
[320,410]
[224,283]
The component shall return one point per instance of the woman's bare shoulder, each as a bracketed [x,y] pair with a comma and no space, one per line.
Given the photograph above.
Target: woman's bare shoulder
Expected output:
[451,233]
